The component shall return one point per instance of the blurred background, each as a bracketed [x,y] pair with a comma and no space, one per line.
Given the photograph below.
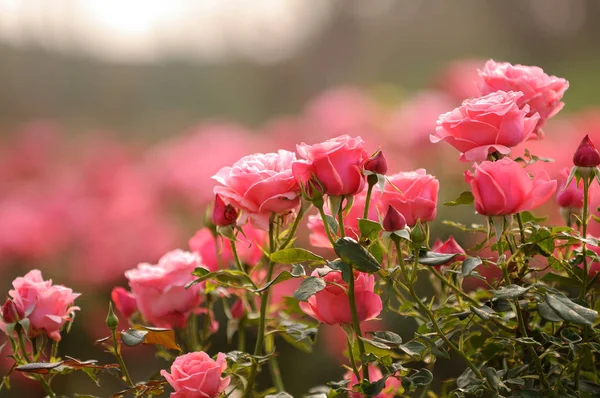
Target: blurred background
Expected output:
[114,115]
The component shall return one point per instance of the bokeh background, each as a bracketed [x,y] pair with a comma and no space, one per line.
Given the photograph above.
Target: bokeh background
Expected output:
[114,115]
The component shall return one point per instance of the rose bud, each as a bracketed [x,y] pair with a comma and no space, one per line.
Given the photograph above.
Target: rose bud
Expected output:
[223,214]
[11,313]
[377,163]
[394,220]
[448,247]
[586,155]
[124,301]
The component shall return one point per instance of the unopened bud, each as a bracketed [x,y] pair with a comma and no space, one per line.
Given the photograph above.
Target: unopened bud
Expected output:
[11,313]
[111,319]
[586,155]
[377,163]
[223,214]
[418,235]
[393,220]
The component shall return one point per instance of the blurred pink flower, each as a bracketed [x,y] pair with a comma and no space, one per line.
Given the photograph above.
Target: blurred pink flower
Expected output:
[160,289]
[47,306]
[460,79]
[391,389]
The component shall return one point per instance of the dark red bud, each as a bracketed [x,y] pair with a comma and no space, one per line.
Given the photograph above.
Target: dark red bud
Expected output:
[586,155]
[394,220]
[223,214]
[11,313]
[377,163]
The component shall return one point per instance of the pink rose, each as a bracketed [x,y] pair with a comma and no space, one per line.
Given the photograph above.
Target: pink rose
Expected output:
[160,289]
[124,301]
[391,389]
[46,306]
[481,126]
[196,375]
[331,305]
[414,194]
[504,187]
[318,236]
[211,248]
[260,184]
[450,246]
[542,93]
[336,163]
[571,196]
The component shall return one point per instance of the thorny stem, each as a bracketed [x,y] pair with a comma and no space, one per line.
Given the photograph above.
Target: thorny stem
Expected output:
[264,303]
[368,199]
[327,230]
[584,224]
[292,231]
[352,360]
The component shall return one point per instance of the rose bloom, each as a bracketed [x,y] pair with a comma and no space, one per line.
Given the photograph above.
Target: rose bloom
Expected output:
[336,163]
[160,290]
[47,306]
[570,196]
[211,248]
[542,93]
[331,305]
[391,389]
[318,236]
[482,126]
[196,375]
[414,194]
[125,301]
[504,187]
[260,184]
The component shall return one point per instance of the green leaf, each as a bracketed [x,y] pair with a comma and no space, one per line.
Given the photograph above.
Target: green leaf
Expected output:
[371,389]
[469,265]
[465,198]
[547,313]
[352,253]
[133,338]
[484,312]
[332,224]
[433,259]
[369,229]
[308,287]
[386,337]
[570,335]
[340,265]
[294,255]
[150,336]
[296,272]
[510,291]
[570,311]
[422,377]
[413,348]
[335,204]
[527,216]
[225,278]
[38,367]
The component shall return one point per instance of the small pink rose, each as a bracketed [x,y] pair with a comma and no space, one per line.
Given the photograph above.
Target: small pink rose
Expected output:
[504,187]
[414,194]
[450,246]
[336,163]
[47,306]
[485,125]
[331,305]
[196,375]
[260,185]
[160,289]
[124,301]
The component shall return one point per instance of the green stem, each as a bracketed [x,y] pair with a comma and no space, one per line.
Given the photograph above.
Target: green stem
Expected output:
[22,344]
[54,350]
[292,231]
[273,364]
[400,257]
[264,304]
[46,386]
[242,336]
[117,354]
[442,335]
[415,268]
[327,230]
[236,257]
[584,223]
[351,356]
[341,223]
[356,324]
[368,199]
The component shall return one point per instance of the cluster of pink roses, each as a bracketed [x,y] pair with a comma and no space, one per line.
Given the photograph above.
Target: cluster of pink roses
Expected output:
[516,101]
